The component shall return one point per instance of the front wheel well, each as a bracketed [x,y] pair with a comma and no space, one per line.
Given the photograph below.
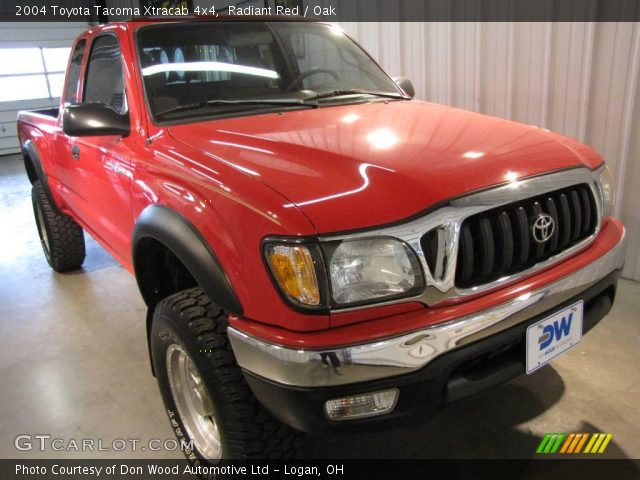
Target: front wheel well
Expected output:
[160,272]
[169,255]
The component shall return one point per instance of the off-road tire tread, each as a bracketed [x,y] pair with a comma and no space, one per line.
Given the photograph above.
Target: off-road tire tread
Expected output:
[66,238]
[252,432]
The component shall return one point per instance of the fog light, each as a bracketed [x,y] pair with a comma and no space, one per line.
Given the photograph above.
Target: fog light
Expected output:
[362,405]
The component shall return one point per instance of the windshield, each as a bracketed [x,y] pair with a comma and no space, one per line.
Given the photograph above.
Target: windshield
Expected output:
[212,68]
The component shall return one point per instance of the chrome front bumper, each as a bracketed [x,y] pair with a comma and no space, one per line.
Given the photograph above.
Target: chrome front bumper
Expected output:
[410,352]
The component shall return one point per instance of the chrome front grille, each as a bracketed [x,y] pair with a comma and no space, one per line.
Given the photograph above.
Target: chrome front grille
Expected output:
[464,245]
[514,237]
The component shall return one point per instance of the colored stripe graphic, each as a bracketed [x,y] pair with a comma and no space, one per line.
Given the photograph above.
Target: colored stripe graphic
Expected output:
[567,442]
[550,443]
[606,441]
[556,445]
[573,443]
[596,445]
[590,444]
[581,443]
[552,439]
[543,443]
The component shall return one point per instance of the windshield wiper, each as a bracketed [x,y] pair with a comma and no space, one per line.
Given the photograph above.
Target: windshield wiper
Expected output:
[284,102]
[267,101]
[340,93]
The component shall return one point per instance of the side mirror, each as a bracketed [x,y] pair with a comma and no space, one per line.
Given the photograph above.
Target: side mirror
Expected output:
[94,119]
[406,86]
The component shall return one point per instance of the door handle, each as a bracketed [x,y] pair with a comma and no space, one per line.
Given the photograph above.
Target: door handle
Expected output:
[75,152]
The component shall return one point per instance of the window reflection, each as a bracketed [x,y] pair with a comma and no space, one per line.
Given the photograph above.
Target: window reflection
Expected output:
[192,64]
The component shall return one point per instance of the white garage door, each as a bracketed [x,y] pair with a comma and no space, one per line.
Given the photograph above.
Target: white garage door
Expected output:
[33,57]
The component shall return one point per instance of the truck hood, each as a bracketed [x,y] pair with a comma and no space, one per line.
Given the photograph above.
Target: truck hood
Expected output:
[357,166]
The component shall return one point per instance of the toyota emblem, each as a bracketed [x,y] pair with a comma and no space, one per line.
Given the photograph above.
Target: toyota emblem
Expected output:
[543,228]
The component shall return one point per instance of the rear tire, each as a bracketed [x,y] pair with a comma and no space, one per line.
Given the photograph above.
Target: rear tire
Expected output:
[189,341]
[62,239]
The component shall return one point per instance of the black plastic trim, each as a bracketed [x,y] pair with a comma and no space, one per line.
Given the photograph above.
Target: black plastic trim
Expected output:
[33,166]
[80,120]
[182,238]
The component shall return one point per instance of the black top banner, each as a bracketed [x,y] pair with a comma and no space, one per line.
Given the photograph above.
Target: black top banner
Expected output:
[329,10]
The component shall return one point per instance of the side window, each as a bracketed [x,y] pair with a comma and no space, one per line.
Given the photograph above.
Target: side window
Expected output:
[73,75]
[105,82]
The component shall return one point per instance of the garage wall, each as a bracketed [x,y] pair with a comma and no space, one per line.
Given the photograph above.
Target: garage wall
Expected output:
[26,35]
[579,79]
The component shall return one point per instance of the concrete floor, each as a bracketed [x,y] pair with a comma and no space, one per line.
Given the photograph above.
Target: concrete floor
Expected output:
[73,364]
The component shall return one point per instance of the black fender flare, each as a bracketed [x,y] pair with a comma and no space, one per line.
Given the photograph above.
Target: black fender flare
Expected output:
[183,239]
[33,166]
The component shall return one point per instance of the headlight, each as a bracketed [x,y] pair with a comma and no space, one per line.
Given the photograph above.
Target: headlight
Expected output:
[343,273]
[294,269]
[607,191]
[371,270]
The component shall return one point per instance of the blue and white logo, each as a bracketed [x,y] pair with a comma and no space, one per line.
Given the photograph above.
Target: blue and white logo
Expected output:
[553,335]
[555,330]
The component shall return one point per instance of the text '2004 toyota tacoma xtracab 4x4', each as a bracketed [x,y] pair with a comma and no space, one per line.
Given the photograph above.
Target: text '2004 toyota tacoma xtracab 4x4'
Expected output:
[316,249]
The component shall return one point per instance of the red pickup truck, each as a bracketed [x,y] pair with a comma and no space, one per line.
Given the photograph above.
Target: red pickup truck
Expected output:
[317,249]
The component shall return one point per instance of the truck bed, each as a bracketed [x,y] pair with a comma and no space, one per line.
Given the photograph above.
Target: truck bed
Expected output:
[34,117]
[48,112]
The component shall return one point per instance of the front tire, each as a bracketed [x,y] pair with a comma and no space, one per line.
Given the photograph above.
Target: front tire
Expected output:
[206,396]
[62,239]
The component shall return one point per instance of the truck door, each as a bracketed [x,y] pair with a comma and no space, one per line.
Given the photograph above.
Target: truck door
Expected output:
[63,165]
[100,175]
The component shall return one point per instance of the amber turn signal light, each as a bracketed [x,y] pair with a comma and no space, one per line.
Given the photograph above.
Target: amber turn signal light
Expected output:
[294,270]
